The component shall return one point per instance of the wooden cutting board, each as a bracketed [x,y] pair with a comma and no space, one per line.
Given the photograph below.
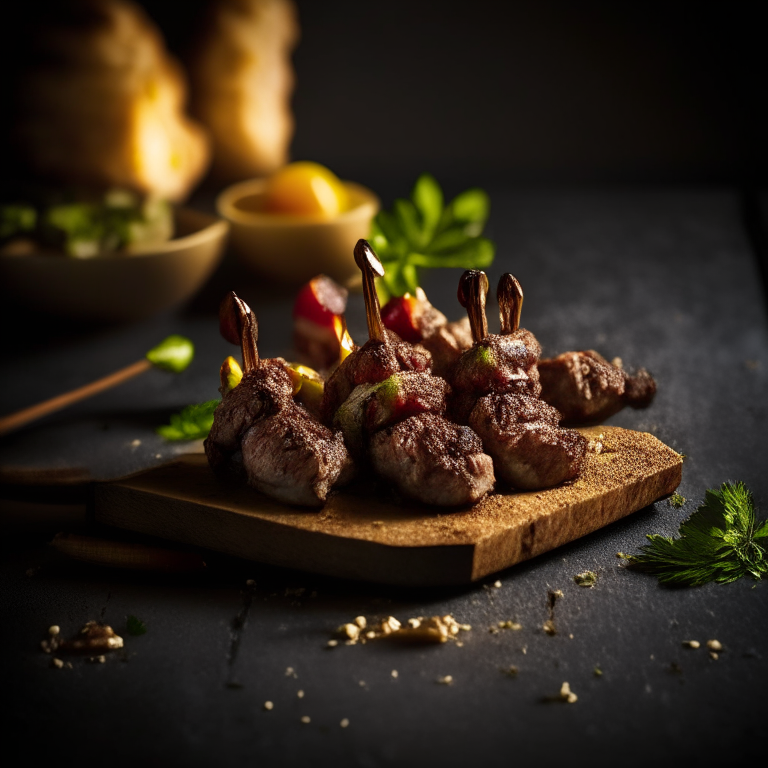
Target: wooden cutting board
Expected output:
[363,536]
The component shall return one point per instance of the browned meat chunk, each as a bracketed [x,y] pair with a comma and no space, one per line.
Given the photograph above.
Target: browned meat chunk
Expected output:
[433,461]
[293,458]
[261,432]
[586,388]
[375,361]
[499,363]
[261,393]
[446,343]
[371,407]
[529,450]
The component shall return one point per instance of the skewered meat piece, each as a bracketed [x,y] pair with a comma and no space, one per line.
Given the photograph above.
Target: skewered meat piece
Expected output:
[503,362]
[258,429]
[371,407]
[416,320]
[586,388]
[384,354]
[399,420]
[518,430]
[432,460]
[528,448]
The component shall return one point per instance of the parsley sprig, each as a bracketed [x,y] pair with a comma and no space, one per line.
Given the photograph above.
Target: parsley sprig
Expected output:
[720,542]
[193,423]
[424,232]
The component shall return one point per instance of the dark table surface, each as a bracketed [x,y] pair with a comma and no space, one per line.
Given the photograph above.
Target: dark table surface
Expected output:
[667,279]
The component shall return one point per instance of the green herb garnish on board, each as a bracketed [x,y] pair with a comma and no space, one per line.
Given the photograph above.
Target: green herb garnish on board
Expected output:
[193,423]
[425,233]
[721,542]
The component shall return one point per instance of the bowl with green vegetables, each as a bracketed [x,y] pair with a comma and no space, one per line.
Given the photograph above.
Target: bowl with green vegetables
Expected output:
[115,259]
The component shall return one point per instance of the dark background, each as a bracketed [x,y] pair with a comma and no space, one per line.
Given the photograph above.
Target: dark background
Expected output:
[554,92]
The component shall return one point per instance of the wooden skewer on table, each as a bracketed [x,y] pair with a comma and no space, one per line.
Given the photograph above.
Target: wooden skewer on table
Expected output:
[165,355]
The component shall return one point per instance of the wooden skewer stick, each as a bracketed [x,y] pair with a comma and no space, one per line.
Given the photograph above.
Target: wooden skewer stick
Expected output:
[238,325]
[473,288]
[371,267]
[20,418]
[172,354]
[509,295]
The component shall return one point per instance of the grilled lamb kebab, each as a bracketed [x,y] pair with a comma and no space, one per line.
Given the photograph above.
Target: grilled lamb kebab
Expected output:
[397,420]
[384,354]
[416,320]
[503,362]
[586,388]
[261,432]
[520,431]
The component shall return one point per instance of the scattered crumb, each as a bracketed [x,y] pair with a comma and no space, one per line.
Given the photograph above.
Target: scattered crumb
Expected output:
[549,627]
[92,637]
[597,672]
[250,583]
[570,636]
[567,695]
[446,680]
[344,723]
[300,694]
[306,719]
[437,629]
[586,579]
[158,455]
[511,670]
[714,655]
[676,501]
[497,584]
[55,630]
[135,443]
[268,705]
[58,663]
[332,643]
[290,672]
[714,645]
[509,624]
[524,650]
[691,644]
[362,683]
[97,659]
[394,674]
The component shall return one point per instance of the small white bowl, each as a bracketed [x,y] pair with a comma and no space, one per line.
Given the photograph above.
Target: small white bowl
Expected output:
[120,287]
[294,249]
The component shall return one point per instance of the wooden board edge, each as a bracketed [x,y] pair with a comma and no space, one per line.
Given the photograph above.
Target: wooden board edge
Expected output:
[566,524]
[254,538]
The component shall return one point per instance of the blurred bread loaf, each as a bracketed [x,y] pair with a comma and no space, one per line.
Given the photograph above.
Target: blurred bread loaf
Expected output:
[101,104]
[242,80]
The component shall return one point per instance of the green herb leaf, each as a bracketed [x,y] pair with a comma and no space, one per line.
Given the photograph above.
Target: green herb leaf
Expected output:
[716,543]
[193,423]
[173,354]
[16,219]
[135,626]
[424,233]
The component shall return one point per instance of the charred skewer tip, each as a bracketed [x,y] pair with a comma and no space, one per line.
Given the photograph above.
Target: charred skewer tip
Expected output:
[238,325]
[369,264]
[473,288]
[509,295]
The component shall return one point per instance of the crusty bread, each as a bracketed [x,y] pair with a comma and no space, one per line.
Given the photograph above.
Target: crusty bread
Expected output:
[103,104]
[242,79]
